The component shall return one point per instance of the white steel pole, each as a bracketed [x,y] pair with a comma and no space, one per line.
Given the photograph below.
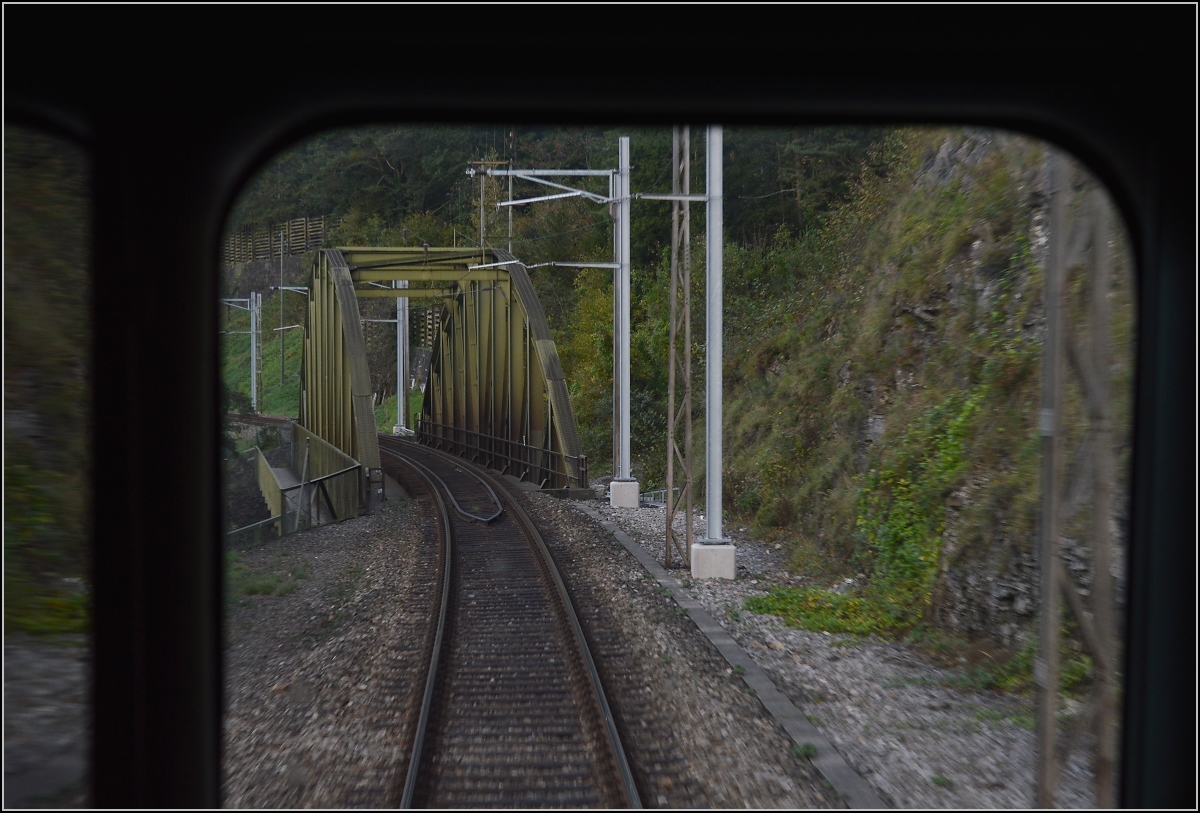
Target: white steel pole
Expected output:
[713,360]
[615,210]
[623,281]
[253,352]
[401,360]
[281,342]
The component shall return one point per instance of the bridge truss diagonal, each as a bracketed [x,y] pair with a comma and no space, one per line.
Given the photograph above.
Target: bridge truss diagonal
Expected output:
[496,392]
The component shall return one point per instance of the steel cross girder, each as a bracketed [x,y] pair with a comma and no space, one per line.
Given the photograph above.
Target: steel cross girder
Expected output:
[496,392]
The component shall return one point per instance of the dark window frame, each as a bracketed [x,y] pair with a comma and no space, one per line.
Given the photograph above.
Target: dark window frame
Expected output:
[169,159]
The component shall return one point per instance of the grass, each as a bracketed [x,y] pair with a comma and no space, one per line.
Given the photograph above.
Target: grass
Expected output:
[1013,674]
[277,398]
[941,781]
[36,610]
[1020,719]
[819,610]
[385,412]
[241,582]
[805,751]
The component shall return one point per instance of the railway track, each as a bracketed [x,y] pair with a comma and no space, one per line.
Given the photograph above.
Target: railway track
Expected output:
[513,714]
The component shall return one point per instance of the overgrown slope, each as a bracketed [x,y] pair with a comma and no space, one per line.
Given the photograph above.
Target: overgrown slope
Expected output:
[47,285]
[884,405]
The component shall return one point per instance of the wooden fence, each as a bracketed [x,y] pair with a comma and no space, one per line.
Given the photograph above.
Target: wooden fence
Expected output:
[263,242]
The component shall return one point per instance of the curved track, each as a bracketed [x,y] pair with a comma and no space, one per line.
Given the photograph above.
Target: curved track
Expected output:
[513,713]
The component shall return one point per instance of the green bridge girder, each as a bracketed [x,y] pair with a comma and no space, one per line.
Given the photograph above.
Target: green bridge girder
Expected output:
[496,392]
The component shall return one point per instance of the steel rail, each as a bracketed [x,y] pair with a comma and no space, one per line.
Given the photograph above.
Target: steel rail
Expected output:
[464,513]
[585,654]
[418,742]
[545,563]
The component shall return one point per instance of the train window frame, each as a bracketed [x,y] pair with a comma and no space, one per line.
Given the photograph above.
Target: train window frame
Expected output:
[157,692]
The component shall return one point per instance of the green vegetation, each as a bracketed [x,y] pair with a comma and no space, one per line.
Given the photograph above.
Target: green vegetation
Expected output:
[385,412]
[276,398]
[242,582]
[822,610]
[805,751]
[941,781]
[1014,673]
[46,394]
[1022,719]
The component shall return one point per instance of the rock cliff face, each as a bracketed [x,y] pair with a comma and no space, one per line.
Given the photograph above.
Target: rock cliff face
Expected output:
[987,585]
[988,591]
[900,385]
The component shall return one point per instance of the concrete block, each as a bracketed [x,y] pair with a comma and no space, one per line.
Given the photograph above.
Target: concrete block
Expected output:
[713,562]
[623,494]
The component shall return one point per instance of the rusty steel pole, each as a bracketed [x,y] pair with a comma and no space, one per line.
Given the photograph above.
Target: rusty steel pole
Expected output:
[1103,593]
[1046,665]
[679,363]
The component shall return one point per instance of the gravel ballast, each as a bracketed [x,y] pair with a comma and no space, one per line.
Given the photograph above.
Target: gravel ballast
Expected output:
[318,673]
[315,679]
[311,674]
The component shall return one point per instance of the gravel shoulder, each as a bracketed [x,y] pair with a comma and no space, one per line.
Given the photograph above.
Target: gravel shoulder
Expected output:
[896,717]
[318,669]
[45,721]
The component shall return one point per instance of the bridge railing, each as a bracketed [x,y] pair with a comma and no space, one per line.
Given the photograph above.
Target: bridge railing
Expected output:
[330,488]
[272,491]
[253,534]
[546,468]
[332,478]
[656,497]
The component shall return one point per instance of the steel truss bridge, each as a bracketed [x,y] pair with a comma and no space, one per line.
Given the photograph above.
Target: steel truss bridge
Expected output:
[496,393]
